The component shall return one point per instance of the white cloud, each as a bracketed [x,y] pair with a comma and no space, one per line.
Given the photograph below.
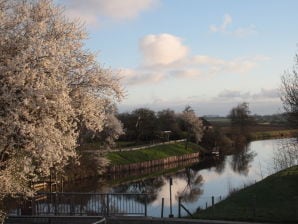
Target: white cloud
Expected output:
[238,32]
[134,77]
[162,49]
[198,66]
[166,57]
[262,95]
[232,94]
[186,73]
[222,28]
[91,11]
[267,94]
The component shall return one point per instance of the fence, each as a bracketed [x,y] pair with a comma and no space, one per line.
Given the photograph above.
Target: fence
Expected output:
[85,204]
[136,147]
[55,219]
[148,146]
[167,163]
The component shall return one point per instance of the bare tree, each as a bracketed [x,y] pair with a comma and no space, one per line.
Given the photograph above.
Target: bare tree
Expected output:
[289,95]
[286,154]
[240,122]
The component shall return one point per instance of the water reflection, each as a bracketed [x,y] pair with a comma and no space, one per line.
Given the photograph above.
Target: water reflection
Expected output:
[195,184]
[192,189]
[150,186]
[242,158]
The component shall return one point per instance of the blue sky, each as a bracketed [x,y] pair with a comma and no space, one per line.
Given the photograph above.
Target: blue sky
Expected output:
[208,54]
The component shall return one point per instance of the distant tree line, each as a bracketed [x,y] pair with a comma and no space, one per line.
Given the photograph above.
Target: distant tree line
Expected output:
[145,125]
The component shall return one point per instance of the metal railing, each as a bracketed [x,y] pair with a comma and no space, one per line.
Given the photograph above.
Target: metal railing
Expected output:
[55,219]
[85,204]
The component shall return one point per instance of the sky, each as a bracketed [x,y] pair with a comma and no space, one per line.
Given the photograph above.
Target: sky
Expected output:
[209,54]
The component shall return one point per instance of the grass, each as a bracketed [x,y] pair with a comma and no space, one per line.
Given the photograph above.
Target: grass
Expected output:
[157,152]
[274,134]
[274,199]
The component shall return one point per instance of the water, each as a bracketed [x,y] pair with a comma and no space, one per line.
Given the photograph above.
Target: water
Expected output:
[199,182]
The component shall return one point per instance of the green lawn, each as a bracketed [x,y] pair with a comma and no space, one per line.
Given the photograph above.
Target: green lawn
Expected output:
[157,152]
[273,199]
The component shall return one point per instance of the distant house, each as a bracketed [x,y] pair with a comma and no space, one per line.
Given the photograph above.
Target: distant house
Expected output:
[206,124]
[165,135]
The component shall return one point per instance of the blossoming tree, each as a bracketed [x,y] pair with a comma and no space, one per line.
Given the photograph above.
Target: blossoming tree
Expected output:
[51,89]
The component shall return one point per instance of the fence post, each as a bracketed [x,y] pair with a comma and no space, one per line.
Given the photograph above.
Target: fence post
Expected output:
[56,203]
[179,207]
[146,204]
[171,183]
[212,205]
[108,204]
[162,206]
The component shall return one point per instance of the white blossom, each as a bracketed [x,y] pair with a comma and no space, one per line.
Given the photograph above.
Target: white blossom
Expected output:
[193,123]
[50,87]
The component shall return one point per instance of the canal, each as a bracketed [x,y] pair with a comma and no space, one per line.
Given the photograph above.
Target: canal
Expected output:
[197,183]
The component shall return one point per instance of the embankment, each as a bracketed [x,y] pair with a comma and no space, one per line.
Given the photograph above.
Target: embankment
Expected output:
[151,166]
[274,199]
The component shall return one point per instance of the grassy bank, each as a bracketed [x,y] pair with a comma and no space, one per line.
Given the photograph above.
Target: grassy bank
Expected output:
[273,199]
[274,134]
[157,152]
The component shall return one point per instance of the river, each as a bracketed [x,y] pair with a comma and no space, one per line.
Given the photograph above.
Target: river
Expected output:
[197,183]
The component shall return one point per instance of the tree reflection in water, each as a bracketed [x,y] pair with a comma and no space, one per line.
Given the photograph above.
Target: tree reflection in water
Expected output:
[150,186]
[192,190]
[241,159]
[220,165]
[153,186]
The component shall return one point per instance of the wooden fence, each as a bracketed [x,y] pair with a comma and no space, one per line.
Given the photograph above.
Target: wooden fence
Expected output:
[152,163]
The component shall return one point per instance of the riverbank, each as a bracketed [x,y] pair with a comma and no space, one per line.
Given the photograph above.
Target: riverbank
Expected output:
[153,153]
[273,199]
[262,135]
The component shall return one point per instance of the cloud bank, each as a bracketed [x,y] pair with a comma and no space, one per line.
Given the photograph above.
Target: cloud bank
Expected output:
[93,11]
[264,101]
[165,56]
